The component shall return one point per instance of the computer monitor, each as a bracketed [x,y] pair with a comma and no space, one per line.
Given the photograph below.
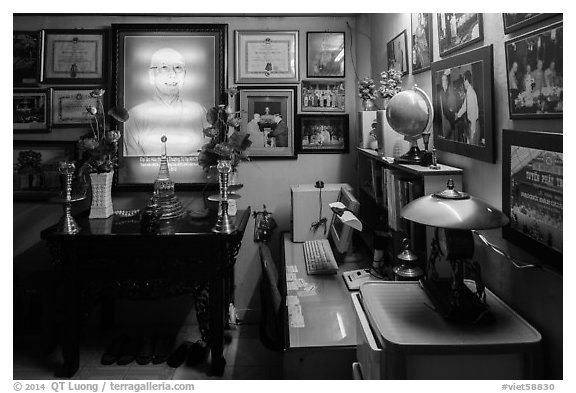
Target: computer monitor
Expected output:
[340,234]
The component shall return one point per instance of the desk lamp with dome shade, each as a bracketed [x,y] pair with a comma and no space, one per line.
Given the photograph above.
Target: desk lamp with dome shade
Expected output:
[456,216]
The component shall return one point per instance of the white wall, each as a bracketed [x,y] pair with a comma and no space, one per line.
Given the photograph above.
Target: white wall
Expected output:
[265,182]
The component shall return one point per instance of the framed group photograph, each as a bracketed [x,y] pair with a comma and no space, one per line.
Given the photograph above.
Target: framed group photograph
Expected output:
[534,64]
[35,167]
[325,55]
[397,53]
[323,134]
[266,56]
[455,31]
[166,76]
[462,94]
[69,107]
[26,57]
[31,110]
[421,36]
[532,192]
[323,96]
[268,116]
[74,56]
[517,21]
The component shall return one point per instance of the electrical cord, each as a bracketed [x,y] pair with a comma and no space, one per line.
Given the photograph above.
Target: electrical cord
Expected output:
[515,262]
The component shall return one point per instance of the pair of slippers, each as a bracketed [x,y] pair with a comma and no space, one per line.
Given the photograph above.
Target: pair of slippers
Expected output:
[124,350]
[193,353]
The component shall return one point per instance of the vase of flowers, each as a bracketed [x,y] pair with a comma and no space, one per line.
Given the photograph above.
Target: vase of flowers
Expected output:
[99,151]
[367,92]
[390,84]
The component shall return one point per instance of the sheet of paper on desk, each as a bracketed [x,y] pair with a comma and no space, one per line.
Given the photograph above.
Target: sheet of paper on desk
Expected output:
[290,276]
[295,316]
[291,269]
[292,300]
[292,285]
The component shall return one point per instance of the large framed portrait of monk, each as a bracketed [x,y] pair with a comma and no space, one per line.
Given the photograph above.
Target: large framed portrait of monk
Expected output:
[167,76]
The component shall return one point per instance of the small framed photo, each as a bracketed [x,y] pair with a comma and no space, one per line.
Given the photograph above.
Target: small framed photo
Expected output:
[31,110]
[35,167]
[532,192]
[323,96]
[325,55]
[462,94]
[266,56]
[517,21]
[268,116]
[26,57]
[534,64]
[323,134]
[69,107]
[421,36]
[455,31]
[397,51]
[74,56]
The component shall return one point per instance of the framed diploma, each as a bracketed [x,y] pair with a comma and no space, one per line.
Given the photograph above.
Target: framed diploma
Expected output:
[31,110]
[69,107]
[73,56]
[266,56]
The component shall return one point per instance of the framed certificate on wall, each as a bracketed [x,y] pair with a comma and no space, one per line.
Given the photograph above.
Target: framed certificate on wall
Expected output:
[73,56]
[69,107]
[266,56]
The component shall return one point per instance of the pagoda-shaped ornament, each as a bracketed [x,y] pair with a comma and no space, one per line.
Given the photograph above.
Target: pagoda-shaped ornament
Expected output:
[164,195]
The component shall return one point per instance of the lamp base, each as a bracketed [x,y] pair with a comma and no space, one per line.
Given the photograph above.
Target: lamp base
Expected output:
[469,310]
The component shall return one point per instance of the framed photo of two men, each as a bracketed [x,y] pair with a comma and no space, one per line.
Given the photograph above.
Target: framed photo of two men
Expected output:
[167,76]
[534,66]
[462,94]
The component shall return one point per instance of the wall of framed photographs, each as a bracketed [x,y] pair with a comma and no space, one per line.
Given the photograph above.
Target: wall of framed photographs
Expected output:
[276,174]
[522,290]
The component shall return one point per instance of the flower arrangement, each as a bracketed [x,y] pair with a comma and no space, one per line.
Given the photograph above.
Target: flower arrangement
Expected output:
[29,161]
[367,89]
[223,144]
[100,148]
[390,83]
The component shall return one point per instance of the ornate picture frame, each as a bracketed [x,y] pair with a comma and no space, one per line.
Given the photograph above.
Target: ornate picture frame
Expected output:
[272,136]
[462,91]
[325,54]
[74,56]
[456,31]
[266,56]
[167,76]
[323,133]
[532,192]
[69,106]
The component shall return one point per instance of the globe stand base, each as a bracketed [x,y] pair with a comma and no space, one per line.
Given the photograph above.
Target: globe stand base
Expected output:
[414,156]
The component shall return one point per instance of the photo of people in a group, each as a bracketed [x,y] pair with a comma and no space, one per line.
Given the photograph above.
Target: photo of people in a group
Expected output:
[536,200]
[461,104]
[168,84]
[268,127]
[324,134]
[535,82]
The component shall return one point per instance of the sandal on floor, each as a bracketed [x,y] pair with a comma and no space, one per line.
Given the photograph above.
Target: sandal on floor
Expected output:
[197,353]
[180,354]
[112,352]
[146,351]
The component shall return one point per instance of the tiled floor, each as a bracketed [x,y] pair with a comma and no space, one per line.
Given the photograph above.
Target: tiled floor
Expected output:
[246,356]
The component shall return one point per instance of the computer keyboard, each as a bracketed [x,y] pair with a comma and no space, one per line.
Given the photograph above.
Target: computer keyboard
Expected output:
[319,257]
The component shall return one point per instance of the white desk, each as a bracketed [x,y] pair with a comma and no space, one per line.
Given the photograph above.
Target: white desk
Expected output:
[326,346]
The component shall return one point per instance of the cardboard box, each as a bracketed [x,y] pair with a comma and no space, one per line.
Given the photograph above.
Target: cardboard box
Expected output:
[306,210]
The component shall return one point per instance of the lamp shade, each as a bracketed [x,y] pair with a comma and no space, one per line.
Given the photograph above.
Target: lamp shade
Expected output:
[453,209]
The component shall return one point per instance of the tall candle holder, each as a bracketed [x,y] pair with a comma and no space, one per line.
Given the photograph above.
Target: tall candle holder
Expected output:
[224,224]
[67,224]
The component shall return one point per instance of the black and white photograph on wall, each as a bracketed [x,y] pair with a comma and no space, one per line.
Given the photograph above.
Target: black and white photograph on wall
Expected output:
[421,42]
[167,78]
[397,53]
[325,55]
[323,134]
[456,31]
[517,21]
[268,118]
[534,64]
[26,52]
[31,110]
[462,91]
[532,191]
[323,96]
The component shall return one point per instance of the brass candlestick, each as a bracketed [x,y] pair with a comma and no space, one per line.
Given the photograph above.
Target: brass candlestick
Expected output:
[67,224]
[224,224]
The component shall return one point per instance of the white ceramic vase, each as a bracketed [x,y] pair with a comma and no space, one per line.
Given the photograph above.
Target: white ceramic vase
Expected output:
[101,195]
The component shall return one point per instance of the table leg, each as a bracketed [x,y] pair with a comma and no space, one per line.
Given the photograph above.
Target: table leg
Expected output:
[69,329]
[217,313]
